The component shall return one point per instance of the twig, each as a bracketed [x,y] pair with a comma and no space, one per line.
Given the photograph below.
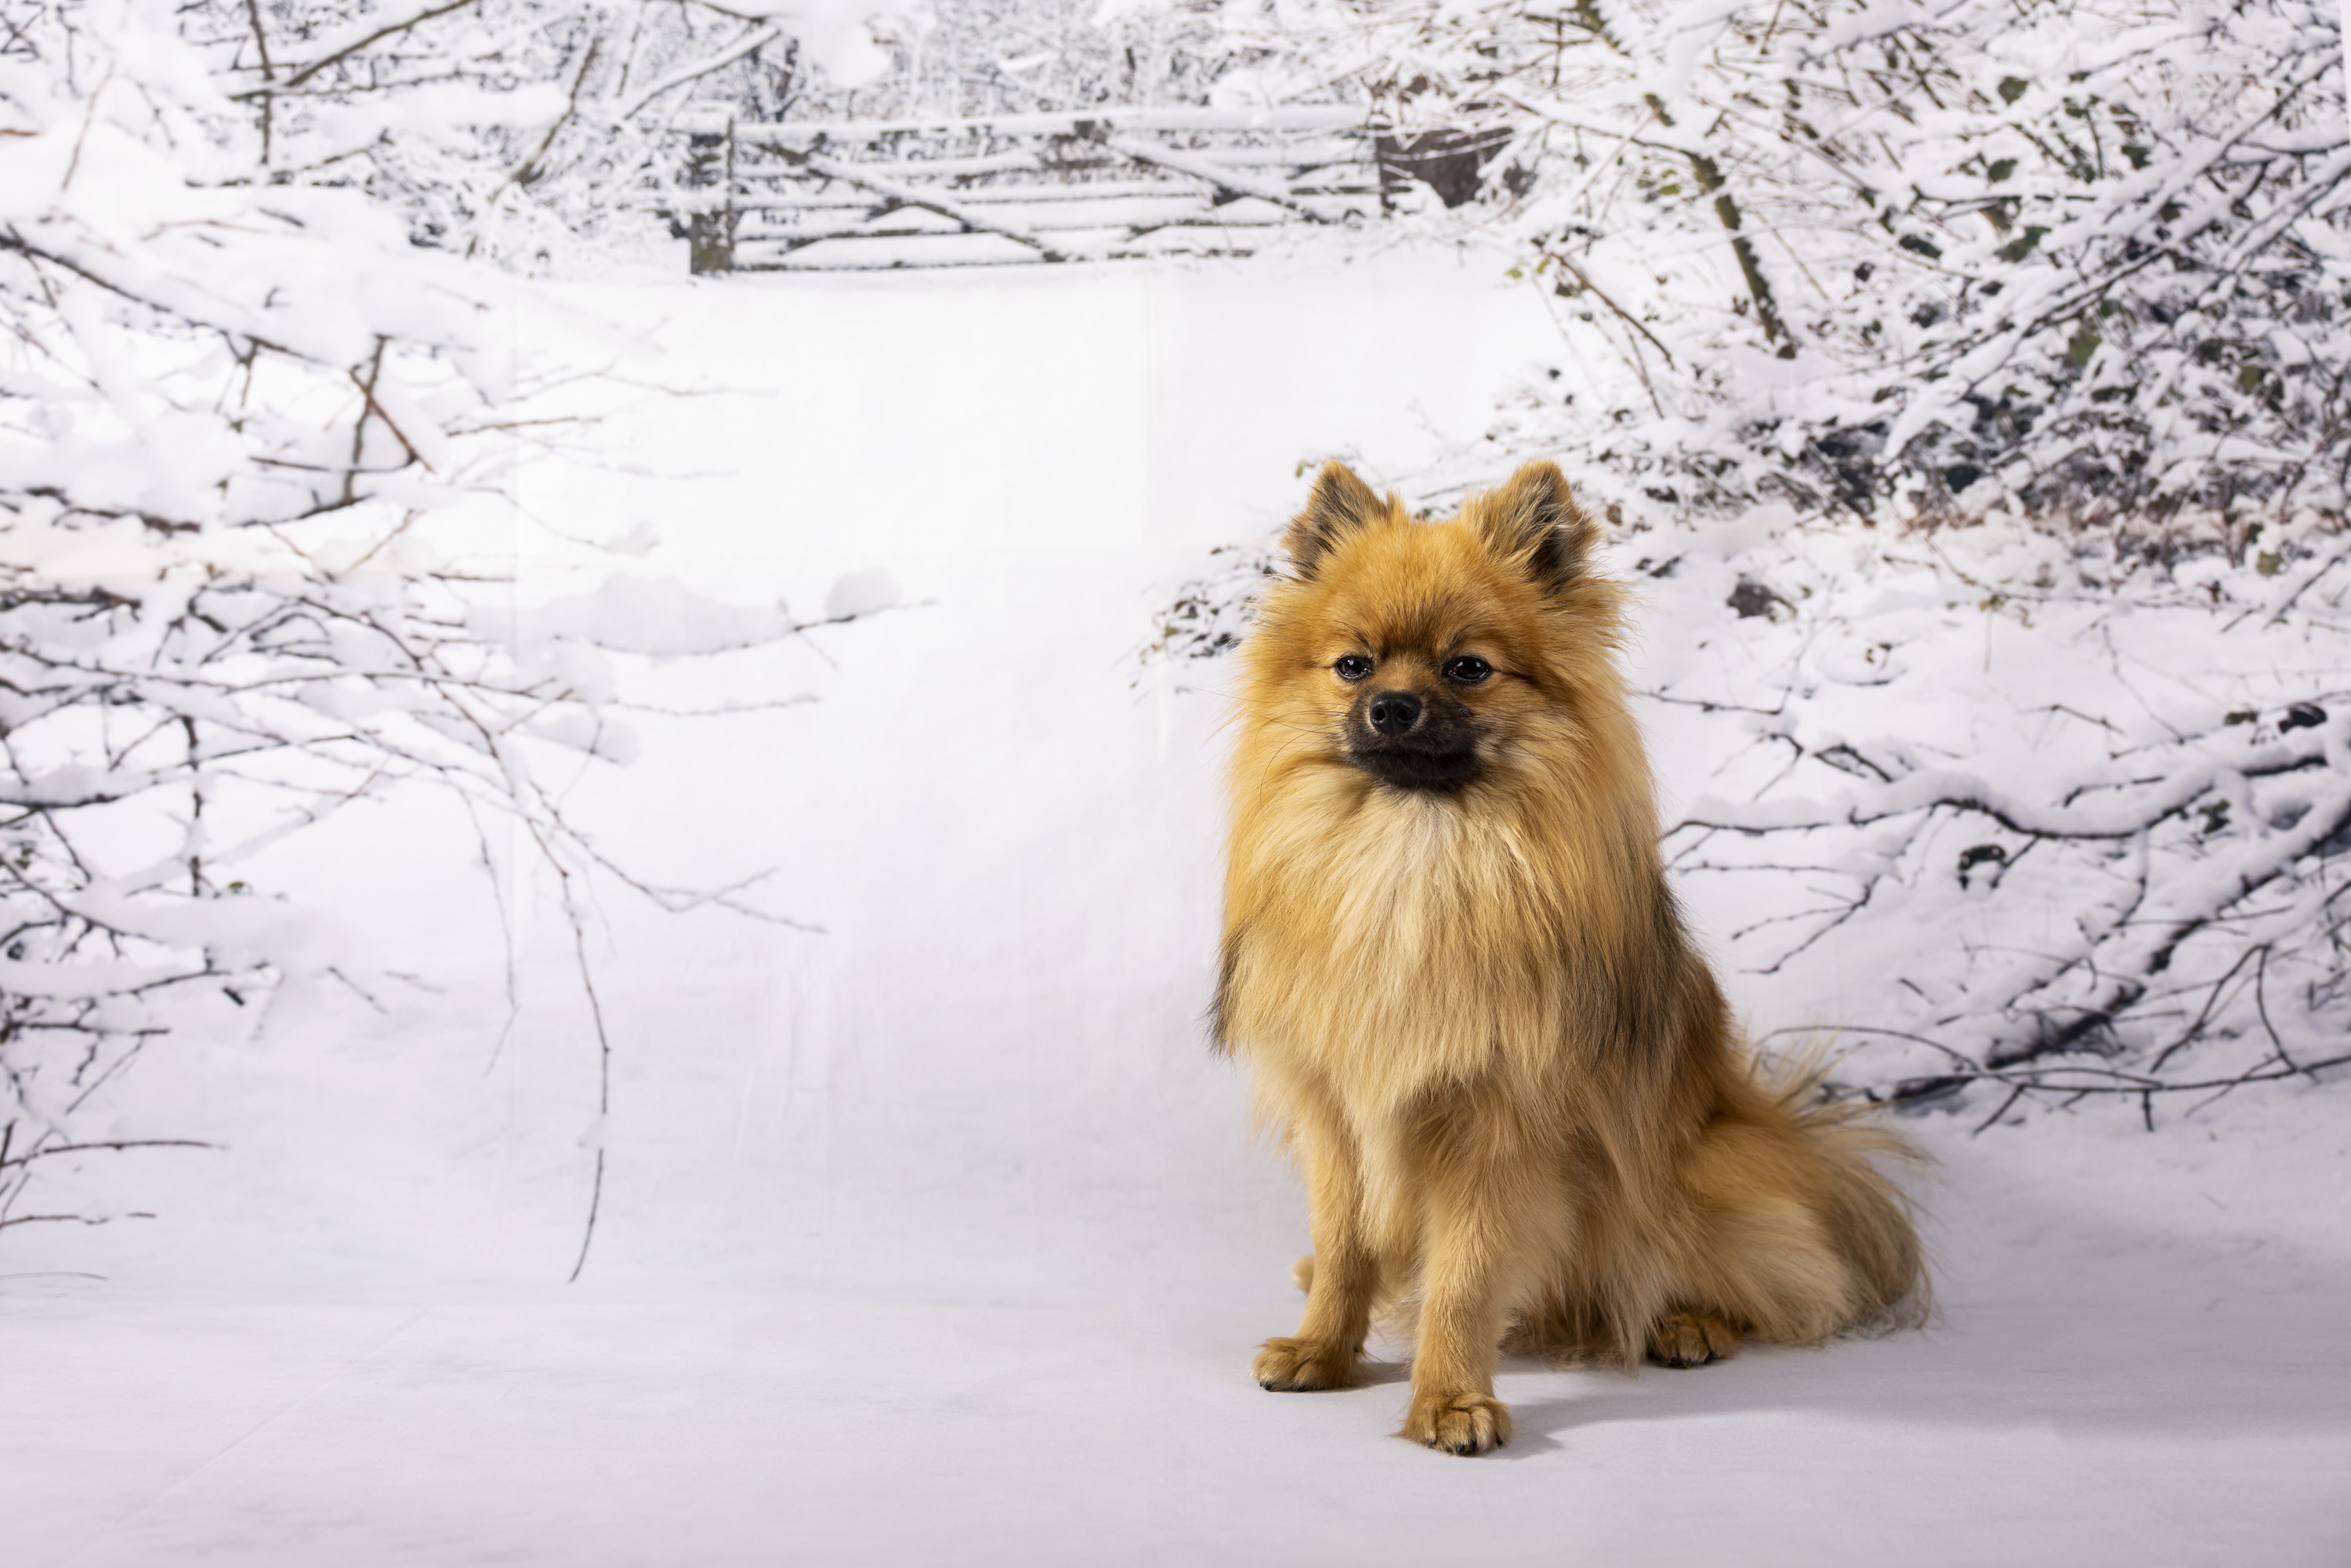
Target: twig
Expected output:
[523,173]
[261,41]
[55,1149]
[587,1233]
[2013,1096]
[1602,295]
[418,19]
[756,37]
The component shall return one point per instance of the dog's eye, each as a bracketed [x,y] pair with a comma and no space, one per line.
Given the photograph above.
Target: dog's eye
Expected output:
[1468,669]
[1354,667]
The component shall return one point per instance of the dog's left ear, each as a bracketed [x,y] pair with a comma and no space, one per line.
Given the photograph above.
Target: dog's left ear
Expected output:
[1533,525]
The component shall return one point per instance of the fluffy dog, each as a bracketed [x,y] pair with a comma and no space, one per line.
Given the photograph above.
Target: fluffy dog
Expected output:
[1463,990]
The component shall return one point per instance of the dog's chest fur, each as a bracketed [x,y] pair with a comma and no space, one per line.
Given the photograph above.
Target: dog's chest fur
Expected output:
[1398,942]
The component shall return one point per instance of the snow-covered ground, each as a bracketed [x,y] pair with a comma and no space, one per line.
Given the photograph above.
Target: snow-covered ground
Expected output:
[939,1236]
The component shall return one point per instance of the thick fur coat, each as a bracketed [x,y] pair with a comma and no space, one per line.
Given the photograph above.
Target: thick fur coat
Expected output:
[1460,984]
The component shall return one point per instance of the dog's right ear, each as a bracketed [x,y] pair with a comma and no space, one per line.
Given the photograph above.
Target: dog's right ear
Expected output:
[1340,504]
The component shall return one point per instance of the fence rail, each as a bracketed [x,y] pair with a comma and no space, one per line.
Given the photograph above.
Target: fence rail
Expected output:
[1089,185]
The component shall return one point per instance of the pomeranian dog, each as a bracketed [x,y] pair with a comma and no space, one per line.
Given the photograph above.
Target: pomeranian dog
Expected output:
[1464,993]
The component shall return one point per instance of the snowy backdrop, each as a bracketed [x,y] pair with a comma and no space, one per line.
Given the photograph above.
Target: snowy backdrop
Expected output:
[611,877]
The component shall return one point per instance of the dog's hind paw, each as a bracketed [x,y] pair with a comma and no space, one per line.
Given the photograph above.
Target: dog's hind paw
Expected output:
[1691,1339]
[1458,1423]
[1300,1366]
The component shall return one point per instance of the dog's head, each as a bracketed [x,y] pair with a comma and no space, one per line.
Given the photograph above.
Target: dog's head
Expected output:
[1432,655]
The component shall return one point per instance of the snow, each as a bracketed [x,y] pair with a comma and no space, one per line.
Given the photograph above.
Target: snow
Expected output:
[837,34]
[861,593]
[939,1235]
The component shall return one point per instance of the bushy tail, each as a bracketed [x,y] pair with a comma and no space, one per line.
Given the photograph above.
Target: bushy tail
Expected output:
[1870,1220]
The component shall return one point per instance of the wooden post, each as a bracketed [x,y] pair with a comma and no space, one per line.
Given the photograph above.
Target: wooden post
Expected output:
[710,167]
[1451,162]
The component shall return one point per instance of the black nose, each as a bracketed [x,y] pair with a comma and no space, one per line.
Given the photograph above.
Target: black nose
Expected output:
[1393,713]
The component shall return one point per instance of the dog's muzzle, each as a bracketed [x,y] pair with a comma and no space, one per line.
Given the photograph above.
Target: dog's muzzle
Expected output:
[1413,740]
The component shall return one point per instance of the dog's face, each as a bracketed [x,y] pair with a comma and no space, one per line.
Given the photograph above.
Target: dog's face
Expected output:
[1424,652]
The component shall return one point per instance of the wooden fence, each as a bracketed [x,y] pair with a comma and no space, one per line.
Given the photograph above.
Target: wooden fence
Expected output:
[1086,186]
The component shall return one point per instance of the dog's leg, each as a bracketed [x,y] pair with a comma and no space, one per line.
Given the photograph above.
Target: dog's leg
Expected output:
[1330,1338]
[1476,1224]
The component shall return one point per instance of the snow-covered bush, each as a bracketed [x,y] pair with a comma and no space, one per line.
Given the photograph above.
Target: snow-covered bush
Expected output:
[253,520]
[515,129]
[976,58]
[2004,816]
[2075,262]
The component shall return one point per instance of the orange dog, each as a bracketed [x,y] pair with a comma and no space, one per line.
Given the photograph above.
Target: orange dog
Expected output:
[1462,987]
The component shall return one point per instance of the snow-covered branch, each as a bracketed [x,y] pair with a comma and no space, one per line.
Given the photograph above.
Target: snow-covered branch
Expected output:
[2111,861]
[255,451]
[2066,264]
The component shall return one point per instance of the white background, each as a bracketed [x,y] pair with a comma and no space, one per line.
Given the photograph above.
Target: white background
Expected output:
[939,1236]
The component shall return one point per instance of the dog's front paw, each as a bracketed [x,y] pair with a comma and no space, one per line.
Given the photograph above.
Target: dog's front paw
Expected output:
[1302,1365]
[1691,1339]
[1458,1423]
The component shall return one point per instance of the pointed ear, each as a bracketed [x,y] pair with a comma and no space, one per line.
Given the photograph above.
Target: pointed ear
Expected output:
[1340,505]
[1533,525]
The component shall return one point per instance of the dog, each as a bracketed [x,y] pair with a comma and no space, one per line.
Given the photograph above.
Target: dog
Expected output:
[1466,997]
